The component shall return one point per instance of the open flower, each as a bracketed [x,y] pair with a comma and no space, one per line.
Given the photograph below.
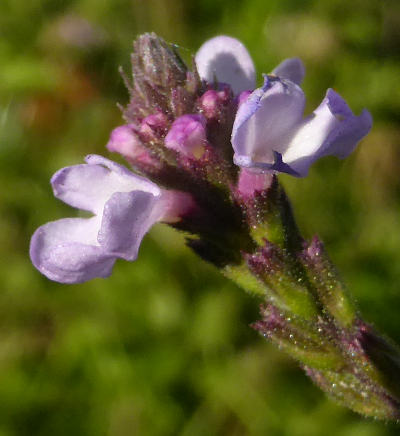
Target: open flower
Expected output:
[270,132]
[125,206]
[227,60]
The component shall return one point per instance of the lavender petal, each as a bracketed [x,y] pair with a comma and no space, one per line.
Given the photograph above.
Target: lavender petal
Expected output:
[66,251]
[88,186]
[266,120]
[291,69]
[127,217]
[332,129]
[228,60]
[74,250]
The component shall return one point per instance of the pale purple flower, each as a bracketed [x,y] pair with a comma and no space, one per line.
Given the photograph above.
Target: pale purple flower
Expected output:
[270,132]
[187,135]
[226,59]
[125,206]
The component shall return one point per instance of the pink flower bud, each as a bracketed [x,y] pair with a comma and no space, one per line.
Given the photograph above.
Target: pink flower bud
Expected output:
[213,102]
[187,135]
[154,126]
[124,141]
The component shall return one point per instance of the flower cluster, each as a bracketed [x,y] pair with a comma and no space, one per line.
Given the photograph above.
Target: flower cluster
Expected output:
[205,146]
[181,127]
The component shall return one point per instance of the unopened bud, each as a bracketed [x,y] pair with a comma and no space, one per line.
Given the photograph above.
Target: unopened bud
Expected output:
[123,140]
[158,62]
[213,102]
[188,135]
[157,70]
[154,126]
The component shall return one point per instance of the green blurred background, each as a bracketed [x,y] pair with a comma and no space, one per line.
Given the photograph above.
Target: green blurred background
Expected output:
[163,346]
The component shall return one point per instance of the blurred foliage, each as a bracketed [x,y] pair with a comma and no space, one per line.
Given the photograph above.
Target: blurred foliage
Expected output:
[163,347]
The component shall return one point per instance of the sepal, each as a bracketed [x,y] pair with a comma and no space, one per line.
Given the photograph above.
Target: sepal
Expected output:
[276,268]
[269,216]
[382,355]
[307,341]
[350,390]
[325,279]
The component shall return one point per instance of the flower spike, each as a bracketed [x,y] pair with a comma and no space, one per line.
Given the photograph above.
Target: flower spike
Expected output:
[179,132]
